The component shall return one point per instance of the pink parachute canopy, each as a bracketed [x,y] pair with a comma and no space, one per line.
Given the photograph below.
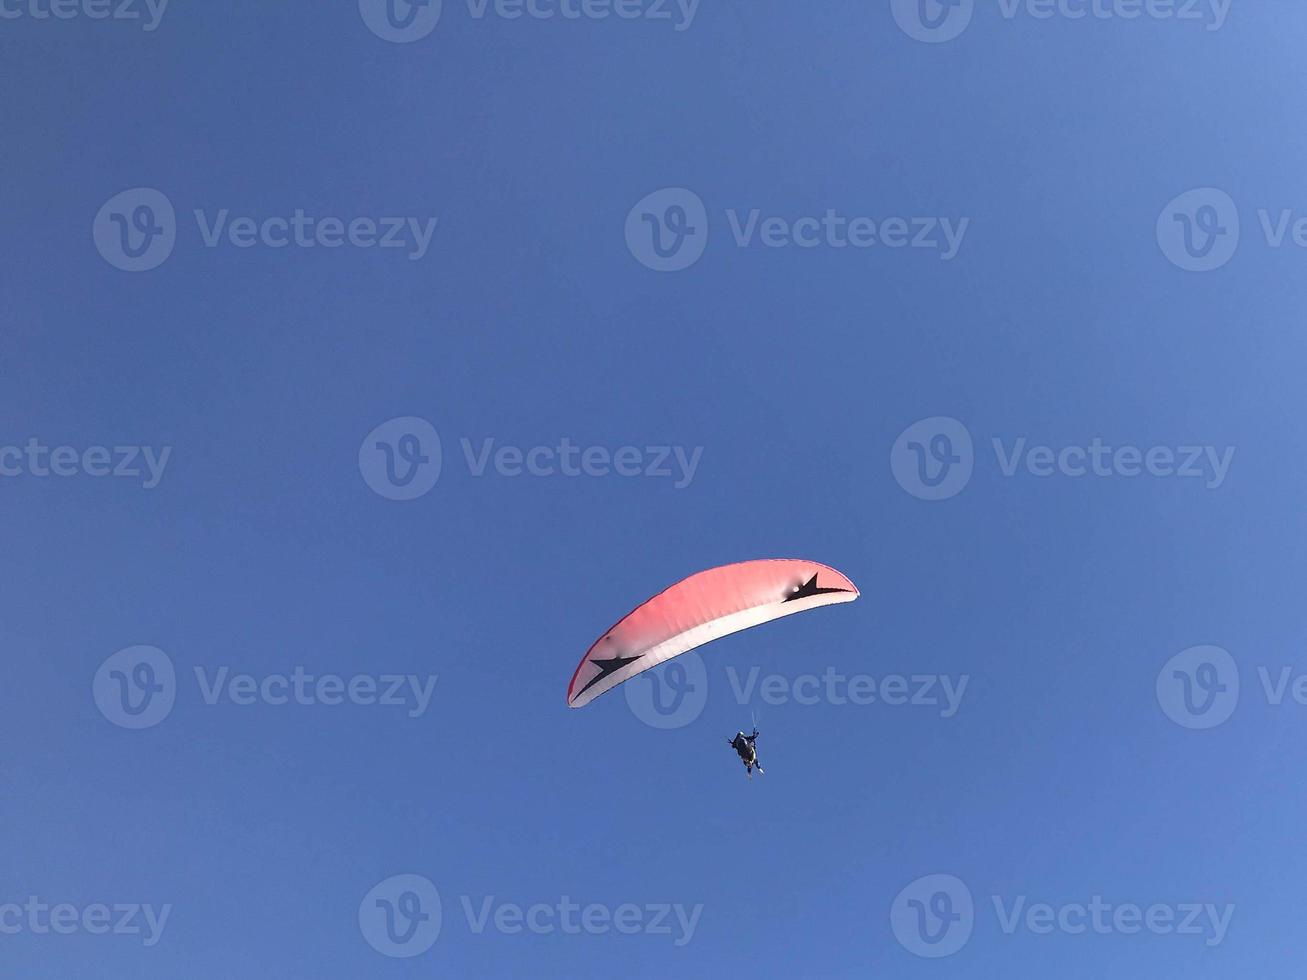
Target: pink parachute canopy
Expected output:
[704,607]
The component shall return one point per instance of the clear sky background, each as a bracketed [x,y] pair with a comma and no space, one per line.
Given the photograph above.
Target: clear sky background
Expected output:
[263,548]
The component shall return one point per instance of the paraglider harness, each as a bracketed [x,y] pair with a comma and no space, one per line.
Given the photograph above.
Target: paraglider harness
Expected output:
[747,751]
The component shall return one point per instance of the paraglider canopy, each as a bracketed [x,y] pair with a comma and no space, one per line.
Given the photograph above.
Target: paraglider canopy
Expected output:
[701,608]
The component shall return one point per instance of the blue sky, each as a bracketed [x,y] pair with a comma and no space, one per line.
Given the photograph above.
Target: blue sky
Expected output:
[255,375]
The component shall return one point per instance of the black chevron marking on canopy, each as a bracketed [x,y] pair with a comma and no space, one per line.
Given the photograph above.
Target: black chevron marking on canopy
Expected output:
[606,667]
[810,588]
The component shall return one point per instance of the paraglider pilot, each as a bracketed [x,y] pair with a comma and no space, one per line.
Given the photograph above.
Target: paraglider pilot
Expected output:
[744,747]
